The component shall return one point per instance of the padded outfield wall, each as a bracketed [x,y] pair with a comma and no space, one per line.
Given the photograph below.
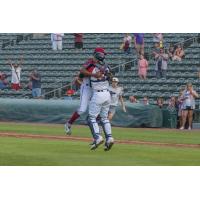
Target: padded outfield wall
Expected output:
[57,111]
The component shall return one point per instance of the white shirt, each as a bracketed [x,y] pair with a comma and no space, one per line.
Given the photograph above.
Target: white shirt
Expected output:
[129,39]
[57,36]
[16,73]
[115,94]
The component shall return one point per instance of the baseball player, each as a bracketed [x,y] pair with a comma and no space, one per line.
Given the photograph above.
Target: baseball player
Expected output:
[85,90]
[116,95]
[100,103]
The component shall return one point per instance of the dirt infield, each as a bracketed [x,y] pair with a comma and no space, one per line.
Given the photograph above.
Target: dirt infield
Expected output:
[85,139]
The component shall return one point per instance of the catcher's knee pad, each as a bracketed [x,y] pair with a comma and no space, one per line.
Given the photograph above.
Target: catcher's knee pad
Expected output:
[106,127]
[81,111]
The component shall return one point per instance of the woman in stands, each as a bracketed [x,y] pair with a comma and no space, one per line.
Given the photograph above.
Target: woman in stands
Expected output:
[126,45]
[160,102]
[171,51]
[188,98]
[179,53]
[142,67]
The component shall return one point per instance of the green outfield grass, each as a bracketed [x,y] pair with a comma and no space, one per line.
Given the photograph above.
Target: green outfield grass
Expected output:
[155,135]
[42,152]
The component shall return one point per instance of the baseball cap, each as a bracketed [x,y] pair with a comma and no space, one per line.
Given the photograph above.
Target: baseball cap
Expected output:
[115,79]
[70,92]
[100,50]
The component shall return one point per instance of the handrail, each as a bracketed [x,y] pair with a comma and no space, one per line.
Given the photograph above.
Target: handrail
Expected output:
[69,84]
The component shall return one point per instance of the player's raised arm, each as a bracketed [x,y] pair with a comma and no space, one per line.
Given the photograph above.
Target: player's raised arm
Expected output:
[9,62]
[21,61]
[122,103]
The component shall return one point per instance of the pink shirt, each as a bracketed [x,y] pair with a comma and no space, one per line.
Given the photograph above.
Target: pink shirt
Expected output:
[143,63]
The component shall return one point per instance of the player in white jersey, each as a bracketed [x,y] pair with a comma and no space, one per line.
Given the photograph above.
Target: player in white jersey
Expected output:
[100,103]
[116,93]
[85,90]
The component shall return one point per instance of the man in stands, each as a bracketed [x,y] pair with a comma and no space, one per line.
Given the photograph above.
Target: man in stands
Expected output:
[36,84]
[78,40]
[161,64]
[56,39]
[16,74]
[3,81]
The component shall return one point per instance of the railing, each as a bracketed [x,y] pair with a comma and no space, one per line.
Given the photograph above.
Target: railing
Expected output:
[52,93]
[19,38]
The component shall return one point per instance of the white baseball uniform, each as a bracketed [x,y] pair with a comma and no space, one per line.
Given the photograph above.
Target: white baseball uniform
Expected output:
[56,39]
[99,105]
[86,90]
[115,94]
[85,96]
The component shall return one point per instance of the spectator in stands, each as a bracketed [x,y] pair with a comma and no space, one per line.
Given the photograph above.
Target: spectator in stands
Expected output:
[161,64]
[142,67]
[78,40]
[139,43]
[178,53]
[160,102]
[56,39]
[198,73]
[16,74]
[36,84]
[126,45]
[172,106]
[3,81]
[145,101]
[158,38]
[171,51]
[133,99]
[180,108]
[188,98]
[156,49]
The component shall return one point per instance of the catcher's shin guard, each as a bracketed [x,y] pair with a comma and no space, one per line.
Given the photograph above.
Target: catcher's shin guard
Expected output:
[106,128]
[94,127]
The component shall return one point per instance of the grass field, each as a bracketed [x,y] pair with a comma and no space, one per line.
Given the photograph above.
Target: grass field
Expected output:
[48,152]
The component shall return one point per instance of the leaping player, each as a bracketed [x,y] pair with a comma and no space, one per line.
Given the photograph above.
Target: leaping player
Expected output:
[86,73]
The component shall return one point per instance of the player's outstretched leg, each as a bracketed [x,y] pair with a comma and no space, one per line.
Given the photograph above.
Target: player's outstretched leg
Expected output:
[94,127]
[68,125]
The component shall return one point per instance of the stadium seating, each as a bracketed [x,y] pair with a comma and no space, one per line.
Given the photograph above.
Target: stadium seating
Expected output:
[58,68]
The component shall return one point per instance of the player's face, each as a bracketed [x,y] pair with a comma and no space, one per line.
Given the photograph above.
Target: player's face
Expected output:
[114,83]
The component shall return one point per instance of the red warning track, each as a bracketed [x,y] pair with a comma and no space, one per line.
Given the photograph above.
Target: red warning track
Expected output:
[85,139]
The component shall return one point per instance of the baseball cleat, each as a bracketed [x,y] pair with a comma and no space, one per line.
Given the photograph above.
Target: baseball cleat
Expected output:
[96,143]
[109,143]
[68,129]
